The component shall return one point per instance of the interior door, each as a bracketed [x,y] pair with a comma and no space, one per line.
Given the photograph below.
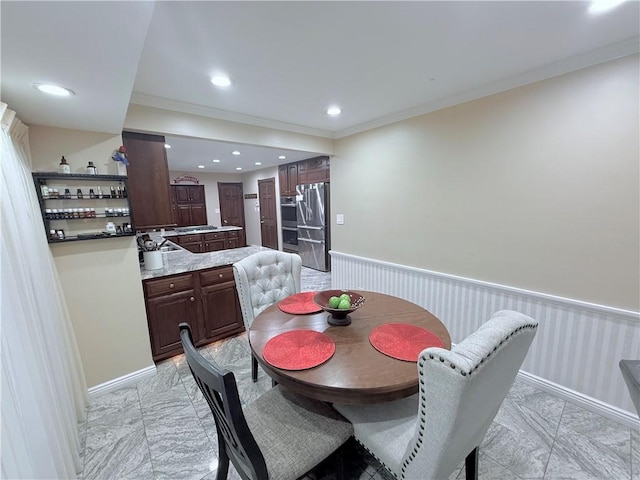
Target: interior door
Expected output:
[268,222]
[232,207]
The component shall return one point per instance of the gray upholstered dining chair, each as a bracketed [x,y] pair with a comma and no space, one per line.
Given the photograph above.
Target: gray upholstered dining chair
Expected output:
[280,435]
[263,279]
[428,435]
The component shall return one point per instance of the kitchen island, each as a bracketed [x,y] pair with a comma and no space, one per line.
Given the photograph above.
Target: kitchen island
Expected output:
[197,288]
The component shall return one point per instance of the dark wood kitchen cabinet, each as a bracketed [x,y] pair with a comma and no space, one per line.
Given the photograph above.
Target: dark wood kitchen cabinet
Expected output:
[206,299]
[148,175]
[221,308]
[288,179]
[191,215]
[209,242]
[234,239]
[189,205]
[314,170]
[192,242]
[215,241]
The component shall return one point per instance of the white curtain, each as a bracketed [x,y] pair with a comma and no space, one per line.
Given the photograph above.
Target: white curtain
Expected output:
[44,393]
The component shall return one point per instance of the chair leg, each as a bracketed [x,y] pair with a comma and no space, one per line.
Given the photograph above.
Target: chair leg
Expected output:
[223,464]
[471,465]
[254,369]
[340,464]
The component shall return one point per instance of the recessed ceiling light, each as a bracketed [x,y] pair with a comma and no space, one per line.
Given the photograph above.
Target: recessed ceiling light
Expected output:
[238,168]
[221,80]
[599,6]
[215,160]
[334,111]
[282,157]
[200,166]
[258,163]
[235,152]
[166,145]
[53,89]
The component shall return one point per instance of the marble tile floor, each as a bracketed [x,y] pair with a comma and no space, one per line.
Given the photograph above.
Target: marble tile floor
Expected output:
[162,428]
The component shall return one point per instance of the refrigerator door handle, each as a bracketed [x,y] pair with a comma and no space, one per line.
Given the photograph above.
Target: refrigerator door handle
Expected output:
[309,240]
[310,228]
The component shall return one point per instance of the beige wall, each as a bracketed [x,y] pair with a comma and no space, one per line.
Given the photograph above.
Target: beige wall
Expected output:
[536,188]
[100,278]
[210,182]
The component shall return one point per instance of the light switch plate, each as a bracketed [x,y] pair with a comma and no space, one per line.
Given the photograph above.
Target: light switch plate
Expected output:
[340,218]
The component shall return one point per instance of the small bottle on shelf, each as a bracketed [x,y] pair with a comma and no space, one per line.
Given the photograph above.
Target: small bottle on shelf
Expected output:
[47,213]
[64,166]
[79,193]
[113,192]
[91,169]
[92,194]
[124,191]
[45,191]
[99,194]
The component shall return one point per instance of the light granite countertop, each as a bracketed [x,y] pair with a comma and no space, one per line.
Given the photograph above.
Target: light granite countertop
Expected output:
[181,260]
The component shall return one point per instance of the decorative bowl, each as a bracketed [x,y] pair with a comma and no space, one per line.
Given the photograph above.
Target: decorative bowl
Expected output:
[338,316]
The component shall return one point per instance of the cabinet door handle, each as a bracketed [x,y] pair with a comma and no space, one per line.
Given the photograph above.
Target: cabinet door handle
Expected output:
[220,275]
[193,299]
[171,285]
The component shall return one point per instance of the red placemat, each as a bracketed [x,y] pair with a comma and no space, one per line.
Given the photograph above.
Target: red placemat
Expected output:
[299,304]
[403,341]
[298,349]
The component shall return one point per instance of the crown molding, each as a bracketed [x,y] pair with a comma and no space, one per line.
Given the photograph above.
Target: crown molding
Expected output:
[624,48]
[210,112]
[604,54]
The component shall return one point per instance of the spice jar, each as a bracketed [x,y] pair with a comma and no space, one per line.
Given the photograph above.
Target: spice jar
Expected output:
[91,169]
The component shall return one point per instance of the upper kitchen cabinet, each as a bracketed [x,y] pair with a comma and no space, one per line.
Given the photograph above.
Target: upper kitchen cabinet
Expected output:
[288,179]
[189,205]
[313,170]
[148,180]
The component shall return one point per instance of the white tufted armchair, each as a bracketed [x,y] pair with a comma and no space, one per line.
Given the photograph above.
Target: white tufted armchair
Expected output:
[263,279]
[427,435]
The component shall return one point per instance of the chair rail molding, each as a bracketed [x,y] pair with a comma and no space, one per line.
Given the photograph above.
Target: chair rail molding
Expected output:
[566,358]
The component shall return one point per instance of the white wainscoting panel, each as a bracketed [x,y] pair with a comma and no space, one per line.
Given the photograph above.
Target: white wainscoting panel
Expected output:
[578,345]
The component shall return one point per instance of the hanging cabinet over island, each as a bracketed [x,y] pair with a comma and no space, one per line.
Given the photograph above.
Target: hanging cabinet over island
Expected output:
[148,174]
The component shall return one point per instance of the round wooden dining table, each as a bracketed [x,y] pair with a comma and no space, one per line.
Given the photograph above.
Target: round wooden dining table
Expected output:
[356,373]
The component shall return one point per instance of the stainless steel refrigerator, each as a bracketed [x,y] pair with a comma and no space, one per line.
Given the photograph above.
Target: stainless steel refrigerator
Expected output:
[313,225]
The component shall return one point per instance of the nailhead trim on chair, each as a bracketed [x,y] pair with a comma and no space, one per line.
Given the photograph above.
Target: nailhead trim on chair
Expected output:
[423,406]
[376,457]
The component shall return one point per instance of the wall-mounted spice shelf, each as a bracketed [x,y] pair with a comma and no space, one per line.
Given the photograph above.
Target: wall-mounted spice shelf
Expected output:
[94,197]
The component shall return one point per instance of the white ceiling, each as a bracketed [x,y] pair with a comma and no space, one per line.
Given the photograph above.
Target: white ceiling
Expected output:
[380,61]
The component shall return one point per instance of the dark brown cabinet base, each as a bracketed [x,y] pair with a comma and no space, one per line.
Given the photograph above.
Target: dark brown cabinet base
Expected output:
[209,242]
[206,299]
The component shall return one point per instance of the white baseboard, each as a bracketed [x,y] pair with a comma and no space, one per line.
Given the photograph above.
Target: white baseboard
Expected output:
[588,403]
[124,381]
